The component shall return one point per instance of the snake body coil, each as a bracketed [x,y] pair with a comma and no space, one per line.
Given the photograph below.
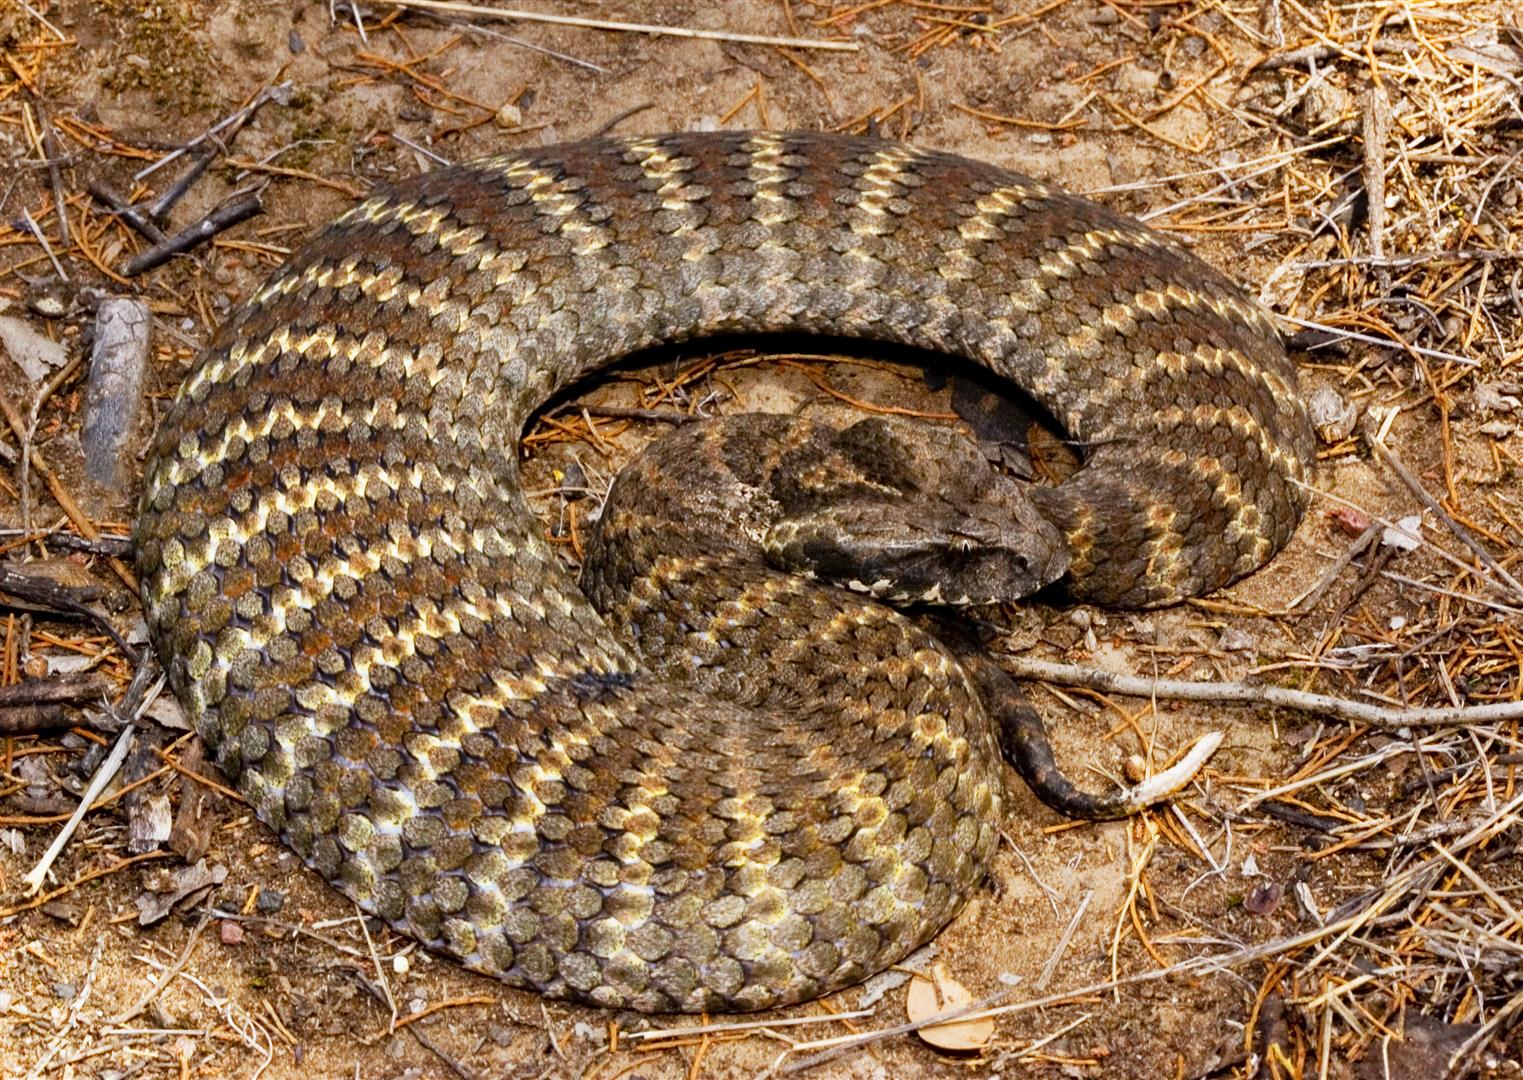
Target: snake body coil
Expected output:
[358,609]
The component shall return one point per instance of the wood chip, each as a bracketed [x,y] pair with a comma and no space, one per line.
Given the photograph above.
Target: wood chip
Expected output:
[938,994]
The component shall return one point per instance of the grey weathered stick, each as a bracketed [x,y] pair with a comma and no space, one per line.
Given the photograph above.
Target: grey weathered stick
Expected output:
[484,12]
[127,212]
[55,175]
[31,720]
[1297,57]
[223,217]
[52,691]
[61,599]
[1358,712]
[162,205]
[114,394]
[1377,126]
[280,92]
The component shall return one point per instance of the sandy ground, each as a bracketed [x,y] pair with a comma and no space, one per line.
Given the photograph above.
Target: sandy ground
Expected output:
[283,990]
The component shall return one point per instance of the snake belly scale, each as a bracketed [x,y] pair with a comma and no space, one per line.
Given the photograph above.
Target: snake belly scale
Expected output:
[362,616]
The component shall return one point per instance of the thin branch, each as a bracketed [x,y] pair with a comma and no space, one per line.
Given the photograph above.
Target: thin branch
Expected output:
[1390,719]
[607,24]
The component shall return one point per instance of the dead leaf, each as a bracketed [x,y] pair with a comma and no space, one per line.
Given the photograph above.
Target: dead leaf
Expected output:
[938,994]
[160,898]
[35,354]
[1405,535]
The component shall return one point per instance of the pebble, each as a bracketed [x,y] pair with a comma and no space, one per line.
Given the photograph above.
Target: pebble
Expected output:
[509,116]
[1333,415]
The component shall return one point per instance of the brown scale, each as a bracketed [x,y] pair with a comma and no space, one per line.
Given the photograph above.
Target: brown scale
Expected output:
[358,609]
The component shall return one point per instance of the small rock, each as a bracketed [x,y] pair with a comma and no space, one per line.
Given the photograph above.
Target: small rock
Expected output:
[62,911]
[1350,521]
[573,480]
[1264,898]
[509,116]
[270,901]
[1136,79]
[51,301]
[232,932]
[64,991]
[295,43]
[1333,415]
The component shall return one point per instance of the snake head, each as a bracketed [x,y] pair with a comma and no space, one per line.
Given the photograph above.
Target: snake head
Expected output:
[913,515]
[924,552]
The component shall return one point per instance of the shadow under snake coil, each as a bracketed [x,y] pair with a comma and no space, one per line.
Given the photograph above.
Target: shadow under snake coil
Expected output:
[361,614]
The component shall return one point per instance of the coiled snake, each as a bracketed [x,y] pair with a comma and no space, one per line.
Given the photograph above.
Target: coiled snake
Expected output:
[358,609]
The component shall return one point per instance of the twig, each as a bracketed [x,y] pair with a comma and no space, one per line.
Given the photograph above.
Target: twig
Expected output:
[1058,950]
[436,158]
[1480,202]
[1389,719]
[56,598]
[1371,339]
[55,175]
[607,24]
[33,12]
[699,1031]
[1377,126]
[34,416]
[19,720]
[1461,533]
[104,871]
[419,1034]
[116,547]
[1314,592]
[619,118]
[269,93]
[659,416]
[36,231]
[127,212]
[98,782]
[161,206]
[222,218]
[1296,57]
[1421,258]
[498,35]
[58,689]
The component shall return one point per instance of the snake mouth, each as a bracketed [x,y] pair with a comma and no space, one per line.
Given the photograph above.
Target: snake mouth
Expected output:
[935,564]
